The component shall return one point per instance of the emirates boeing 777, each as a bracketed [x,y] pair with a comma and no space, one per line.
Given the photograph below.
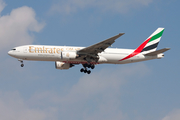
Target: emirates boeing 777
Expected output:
[66,57]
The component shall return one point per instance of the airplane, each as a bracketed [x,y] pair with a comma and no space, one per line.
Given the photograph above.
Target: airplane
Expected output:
[66,57]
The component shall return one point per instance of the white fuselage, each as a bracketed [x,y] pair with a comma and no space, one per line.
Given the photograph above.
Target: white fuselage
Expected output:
[64,53]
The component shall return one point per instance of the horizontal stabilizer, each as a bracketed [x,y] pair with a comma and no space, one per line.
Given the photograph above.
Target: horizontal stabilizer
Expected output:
[157,52]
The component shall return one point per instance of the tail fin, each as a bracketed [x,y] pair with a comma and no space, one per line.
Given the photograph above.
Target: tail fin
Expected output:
[149,45]
[153,41]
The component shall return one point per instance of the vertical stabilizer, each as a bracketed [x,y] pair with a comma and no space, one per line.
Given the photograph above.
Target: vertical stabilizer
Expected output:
[149,45]
[153,41]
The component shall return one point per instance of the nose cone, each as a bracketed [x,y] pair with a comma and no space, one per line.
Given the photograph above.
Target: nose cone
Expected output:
[10,53]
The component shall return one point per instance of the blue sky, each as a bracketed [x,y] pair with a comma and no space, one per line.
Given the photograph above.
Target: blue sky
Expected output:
[139,91]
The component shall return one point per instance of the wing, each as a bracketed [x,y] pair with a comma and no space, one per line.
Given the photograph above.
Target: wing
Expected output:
[93,50]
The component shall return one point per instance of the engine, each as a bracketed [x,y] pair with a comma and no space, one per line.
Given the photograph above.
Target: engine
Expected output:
[62,65]
[68,55]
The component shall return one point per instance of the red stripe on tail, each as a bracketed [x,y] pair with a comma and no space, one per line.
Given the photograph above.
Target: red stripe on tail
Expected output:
[138,50]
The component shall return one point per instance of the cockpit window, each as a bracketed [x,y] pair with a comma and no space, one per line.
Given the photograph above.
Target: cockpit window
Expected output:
[13,49]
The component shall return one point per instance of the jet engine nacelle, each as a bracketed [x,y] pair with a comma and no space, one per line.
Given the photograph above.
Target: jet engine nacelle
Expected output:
[68,55]
[62,65]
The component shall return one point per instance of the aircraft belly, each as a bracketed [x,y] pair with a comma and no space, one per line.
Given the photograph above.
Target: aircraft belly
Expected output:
[116,58]
[113,58]
[137,58]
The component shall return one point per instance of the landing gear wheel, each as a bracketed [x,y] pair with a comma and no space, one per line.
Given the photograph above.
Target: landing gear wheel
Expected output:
[88,72]
[22,65]
[89,65]
[92,67]
[85,71]
[82,70]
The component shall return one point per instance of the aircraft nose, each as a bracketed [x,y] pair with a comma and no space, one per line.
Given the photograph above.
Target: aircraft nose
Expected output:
[10,53]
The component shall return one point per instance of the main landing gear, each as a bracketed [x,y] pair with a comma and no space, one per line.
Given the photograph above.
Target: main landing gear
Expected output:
[85,68]
[22,65]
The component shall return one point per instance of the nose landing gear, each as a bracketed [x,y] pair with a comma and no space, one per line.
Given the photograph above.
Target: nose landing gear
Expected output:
[22,65]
